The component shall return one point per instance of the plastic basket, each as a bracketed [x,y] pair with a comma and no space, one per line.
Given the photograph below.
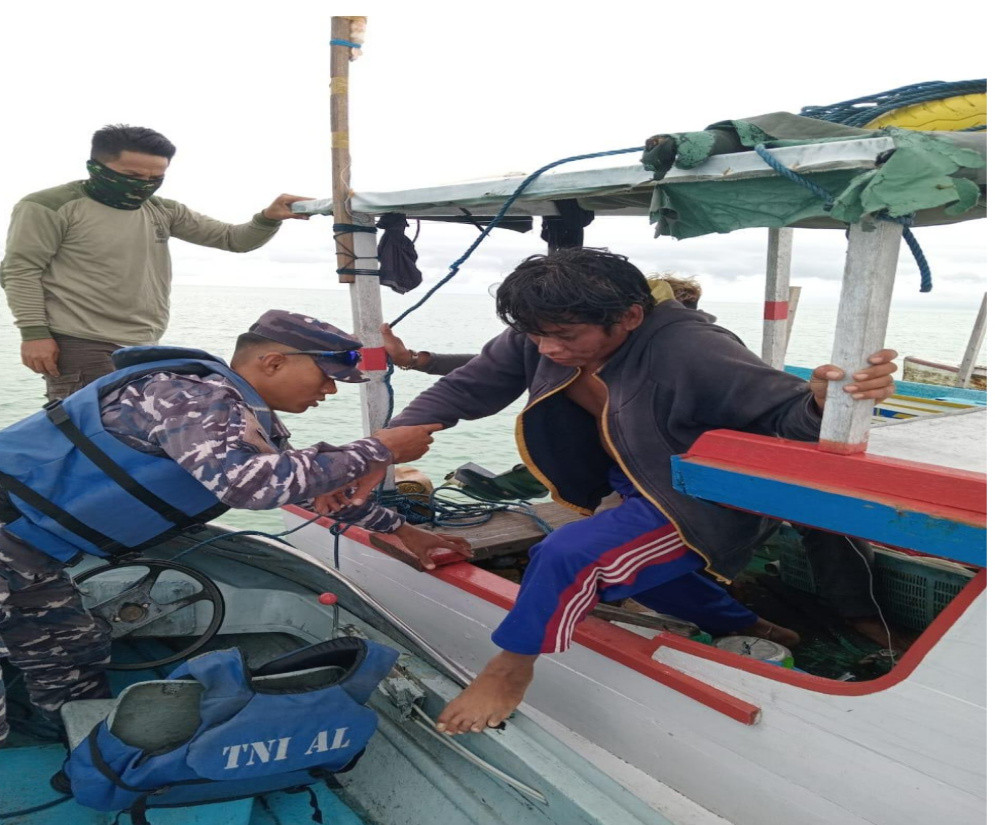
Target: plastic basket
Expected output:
[795,570]
[793,567]
[913,593]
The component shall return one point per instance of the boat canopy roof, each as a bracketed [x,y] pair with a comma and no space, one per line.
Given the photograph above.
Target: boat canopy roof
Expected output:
[695,183]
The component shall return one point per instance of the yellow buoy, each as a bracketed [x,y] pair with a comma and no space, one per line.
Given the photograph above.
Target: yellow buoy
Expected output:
[949,114]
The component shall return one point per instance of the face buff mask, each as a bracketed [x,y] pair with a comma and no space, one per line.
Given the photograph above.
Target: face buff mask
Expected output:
[116,190]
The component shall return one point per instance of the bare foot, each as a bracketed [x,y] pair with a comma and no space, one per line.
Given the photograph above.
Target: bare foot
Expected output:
[491,697]
[768,630]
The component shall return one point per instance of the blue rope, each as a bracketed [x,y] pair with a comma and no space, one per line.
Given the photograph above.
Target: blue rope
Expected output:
[451,513]
[925,275]
[440,509]
[860,111]
[276,536]
[338,42]
[783,170]
[454,267]
[390,390]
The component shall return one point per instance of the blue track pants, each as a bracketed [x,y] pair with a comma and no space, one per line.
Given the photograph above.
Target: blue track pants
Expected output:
[629,551]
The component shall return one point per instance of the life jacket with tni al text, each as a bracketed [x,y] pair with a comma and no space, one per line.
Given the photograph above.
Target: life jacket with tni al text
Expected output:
[296,720]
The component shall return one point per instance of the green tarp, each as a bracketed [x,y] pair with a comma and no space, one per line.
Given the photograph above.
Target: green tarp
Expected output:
[940,174]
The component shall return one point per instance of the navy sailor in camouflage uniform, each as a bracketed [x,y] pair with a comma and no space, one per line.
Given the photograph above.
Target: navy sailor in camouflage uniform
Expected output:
[211,424]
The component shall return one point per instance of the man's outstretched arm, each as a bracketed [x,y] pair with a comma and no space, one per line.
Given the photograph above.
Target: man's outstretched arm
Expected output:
[482,387]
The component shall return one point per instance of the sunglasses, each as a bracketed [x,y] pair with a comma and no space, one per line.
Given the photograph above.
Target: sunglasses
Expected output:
[347,358]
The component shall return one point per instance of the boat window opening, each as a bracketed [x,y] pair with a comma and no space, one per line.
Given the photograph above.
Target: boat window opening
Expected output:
[907,594]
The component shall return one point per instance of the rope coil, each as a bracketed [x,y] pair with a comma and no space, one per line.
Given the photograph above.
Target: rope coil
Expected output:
[860,111]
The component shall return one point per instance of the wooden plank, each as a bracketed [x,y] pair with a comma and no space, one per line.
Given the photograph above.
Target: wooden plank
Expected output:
[928,484]
[954,441]
[507,533]
[951,534]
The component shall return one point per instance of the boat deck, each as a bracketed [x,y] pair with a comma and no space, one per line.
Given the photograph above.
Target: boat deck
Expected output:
[507,533]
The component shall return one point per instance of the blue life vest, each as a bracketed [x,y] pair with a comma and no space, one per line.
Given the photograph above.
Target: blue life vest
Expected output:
[249,742]
[67,485]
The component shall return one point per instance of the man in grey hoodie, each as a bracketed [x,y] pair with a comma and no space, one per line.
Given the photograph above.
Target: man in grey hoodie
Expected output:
[617,385]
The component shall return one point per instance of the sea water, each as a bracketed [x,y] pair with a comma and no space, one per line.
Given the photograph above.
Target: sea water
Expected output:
[210,318]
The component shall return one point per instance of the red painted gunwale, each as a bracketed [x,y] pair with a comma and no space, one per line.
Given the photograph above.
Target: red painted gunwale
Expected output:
[636,652]
[959,495]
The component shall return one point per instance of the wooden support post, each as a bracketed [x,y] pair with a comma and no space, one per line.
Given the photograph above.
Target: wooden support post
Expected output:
[861,324]
[342,31]
[356,250]
[775,336]
[367,316]
[794,295]
[973,345]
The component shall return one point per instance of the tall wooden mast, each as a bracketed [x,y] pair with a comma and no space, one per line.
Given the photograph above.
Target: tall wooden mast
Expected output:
[355,236]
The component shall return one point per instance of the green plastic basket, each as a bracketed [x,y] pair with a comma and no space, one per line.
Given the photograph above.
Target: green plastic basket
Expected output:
[793,567]
[913,593]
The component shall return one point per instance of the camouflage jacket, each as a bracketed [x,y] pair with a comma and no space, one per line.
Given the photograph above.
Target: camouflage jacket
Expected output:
[204,425]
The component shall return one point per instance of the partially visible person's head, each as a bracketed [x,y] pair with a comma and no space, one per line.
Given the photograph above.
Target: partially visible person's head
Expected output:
[578,305]
[294,360]
[127,165]
[132,151]
[686,290]
[571,286]
[109,142]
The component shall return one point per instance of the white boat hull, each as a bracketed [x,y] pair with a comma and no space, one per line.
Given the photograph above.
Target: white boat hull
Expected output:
[910,753]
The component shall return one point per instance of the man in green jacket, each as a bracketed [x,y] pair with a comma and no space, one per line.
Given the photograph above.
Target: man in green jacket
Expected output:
[87,267]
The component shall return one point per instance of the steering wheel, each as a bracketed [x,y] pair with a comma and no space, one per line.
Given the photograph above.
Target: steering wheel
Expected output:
[133,607]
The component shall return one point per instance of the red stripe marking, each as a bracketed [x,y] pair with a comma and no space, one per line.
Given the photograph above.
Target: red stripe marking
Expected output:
[606,559]
[636,651]
[373,359]
[936,490]
[775,310]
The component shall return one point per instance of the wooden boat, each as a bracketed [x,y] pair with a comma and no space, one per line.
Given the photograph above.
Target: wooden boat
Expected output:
[271,598]
[749,740]
[921,371]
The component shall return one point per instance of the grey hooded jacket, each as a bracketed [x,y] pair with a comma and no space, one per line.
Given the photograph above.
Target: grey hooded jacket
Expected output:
[677,376]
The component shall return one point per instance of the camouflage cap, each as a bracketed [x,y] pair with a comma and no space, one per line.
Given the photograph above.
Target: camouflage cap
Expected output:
[305,333]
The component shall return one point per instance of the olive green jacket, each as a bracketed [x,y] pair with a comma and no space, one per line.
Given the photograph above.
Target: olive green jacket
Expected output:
[77,267]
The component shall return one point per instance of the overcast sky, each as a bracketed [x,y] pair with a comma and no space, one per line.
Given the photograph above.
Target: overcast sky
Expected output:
[455,91]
